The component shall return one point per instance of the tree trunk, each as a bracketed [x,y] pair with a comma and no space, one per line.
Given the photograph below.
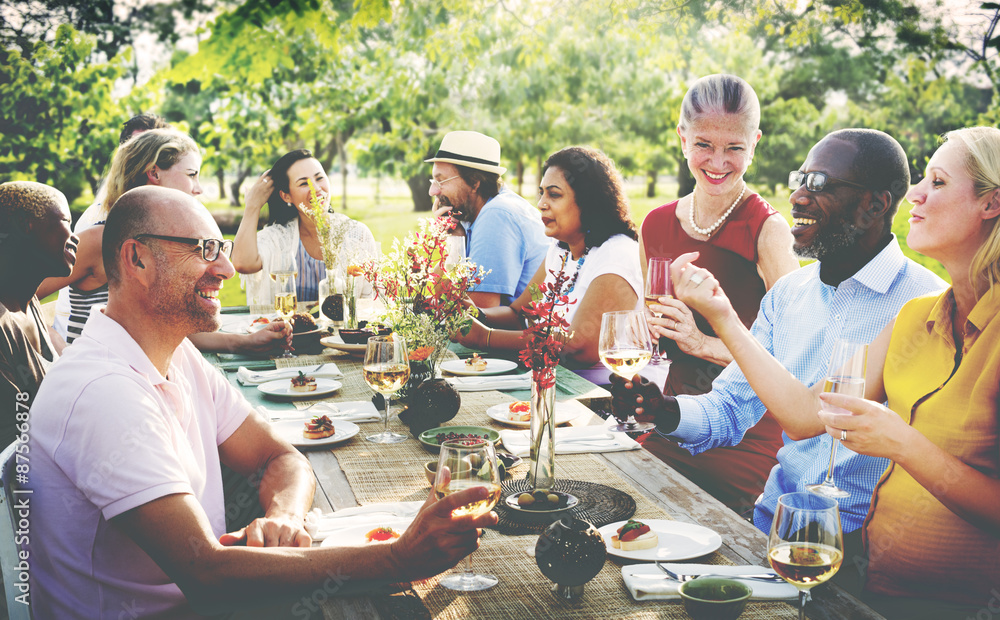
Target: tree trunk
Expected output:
[540,162]
[420,187]
[685,182]
[220,175]
[520,176]
[234,187]
[651,187]
[343,170]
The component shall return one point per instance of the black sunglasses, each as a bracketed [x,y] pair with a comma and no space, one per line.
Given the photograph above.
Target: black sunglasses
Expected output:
[210,248]
[815,181]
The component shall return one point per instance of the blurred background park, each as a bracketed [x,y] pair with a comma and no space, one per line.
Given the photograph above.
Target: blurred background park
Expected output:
[371,86]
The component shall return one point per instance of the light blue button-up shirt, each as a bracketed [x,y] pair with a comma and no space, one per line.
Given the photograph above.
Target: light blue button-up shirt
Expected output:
[800,319]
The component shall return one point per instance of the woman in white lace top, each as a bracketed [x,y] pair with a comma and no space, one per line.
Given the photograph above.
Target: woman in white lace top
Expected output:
[285,189]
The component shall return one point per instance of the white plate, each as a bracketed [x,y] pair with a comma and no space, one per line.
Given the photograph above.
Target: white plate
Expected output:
[337,344]
[235,323]
[501,413]
[291,431]
[675,541]
[355,536]
[283,388]
[493,367]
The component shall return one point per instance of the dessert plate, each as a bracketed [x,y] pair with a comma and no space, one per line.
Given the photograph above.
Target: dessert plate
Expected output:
[675,541]
[493,367]
[501,414]
[283,388]
[291,431]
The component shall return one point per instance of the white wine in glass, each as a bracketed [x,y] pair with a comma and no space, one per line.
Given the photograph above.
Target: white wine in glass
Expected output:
[846,376]
[465,464]
[285,298]
[386,370]
[625,348]
[657,285]
[806,545]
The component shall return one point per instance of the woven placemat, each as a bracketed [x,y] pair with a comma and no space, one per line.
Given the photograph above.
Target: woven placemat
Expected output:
[599,504]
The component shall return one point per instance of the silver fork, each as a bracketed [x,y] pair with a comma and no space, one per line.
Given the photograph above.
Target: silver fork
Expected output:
[767,577]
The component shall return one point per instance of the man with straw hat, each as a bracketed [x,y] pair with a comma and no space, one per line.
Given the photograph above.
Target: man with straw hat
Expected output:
[509,237]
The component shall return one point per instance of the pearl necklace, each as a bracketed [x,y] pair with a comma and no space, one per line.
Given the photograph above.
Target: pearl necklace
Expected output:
[708,231]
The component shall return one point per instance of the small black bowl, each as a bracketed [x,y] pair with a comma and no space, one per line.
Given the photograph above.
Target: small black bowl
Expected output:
[715,598]
[355,336]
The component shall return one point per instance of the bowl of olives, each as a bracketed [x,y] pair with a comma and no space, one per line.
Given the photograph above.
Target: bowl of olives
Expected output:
[541,502]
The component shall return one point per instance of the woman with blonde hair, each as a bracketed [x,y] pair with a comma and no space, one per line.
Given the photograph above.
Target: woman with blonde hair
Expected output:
[932,534]
[164,157]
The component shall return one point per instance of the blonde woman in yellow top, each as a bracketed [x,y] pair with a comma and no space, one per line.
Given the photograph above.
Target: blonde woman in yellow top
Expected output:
[933,531]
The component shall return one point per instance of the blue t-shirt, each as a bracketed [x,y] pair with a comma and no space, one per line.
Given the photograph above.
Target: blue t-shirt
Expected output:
[800,318]
[507,238]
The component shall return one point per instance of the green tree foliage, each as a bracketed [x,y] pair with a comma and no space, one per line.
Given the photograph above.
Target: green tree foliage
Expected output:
[58,121]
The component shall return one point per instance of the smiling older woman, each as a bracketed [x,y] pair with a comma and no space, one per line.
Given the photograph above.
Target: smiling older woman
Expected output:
[747,244]
[586,213]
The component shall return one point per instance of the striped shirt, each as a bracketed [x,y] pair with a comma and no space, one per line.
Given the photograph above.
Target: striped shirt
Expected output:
[80,303]
[311,271]
[800,319]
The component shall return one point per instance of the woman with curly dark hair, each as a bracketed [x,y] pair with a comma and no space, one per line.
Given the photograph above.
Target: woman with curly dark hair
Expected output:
[585,211]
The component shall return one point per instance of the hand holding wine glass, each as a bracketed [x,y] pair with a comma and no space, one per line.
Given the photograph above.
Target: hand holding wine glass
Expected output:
[386,370]
[846,376]
[465,464]
[806,545]
[283,272]
[625,349]
[657,285]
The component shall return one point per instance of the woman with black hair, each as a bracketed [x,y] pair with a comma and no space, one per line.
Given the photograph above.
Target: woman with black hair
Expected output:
[585,211]
[292,228]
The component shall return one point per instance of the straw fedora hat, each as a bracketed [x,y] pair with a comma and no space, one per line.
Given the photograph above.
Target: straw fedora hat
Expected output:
[470,149]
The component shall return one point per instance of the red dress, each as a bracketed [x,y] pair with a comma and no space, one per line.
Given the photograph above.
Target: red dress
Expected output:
[734,475]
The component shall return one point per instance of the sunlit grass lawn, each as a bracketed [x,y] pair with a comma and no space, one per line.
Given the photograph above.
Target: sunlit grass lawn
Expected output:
[391,215]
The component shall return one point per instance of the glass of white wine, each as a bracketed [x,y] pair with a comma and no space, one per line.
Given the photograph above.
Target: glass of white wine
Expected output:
[657,285]
[285,298]
[386,370]
[806,546]
[454,474]
[846,376]
[625,348]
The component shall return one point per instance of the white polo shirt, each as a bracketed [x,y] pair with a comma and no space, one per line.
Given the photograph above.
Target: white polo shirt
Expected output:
[108,434]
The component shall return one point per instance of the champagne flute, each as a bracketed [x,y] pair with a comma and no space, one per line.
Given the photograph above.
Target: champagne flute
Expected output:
[285,300]
[658,284]
[846,376]
[386,369]
[453,476]
[625,348]
[806,546]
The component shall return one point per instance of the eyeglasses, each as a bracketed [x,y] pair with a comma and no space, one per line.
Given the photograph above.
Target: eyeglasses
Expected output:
[815,181]
[210,248]
[440,183]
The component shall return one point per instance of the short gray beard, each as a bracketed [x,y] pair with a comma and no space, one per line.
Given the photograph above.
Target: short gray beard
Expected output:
[831,242]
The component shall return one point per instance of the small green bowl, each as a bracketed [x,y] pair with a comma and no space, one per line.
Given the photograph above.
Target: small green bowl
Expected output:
[715,598]
[431,467]
[428,438]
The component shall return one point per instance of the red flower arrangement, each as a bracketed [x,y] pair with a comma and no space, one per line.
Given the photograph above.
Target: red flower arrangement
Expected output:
[544,338]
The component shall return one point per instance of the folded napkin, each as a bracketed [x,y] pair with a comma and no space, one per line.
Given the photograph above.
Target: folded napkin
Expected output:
[321,526]
[246,376]
[359,411]
[644,582]
[572,440]
[493,382]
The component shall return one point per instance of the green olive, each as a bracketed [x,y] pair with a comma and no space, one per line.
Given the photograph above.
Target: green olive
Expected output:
[475,461]
[553,498]
[525,499]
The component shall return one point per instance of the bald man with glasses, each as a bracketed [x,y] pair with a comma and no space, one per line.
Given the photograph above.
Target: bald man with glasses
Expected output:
[129,433]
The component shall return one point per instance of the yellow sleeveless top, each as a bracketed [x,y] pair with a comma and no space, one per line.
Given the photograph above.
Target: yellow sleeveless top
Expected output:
[917,547]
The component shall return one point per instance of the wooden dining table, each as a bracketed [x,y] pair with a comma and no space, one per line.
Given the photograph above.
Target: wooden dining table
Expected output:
[356,472]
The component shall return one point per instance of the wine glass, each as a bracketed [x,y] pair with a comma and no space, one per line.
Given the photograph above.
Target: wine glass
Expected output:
[625,348]
[846,376]
[453,476]
[386,370]
[657,285]
[806,546]
[285,299]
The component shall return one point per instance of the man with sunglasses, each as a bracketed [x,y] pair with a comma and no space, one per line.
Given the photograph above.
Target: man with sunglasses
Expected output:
[129,432]
[844,200]
[503,232]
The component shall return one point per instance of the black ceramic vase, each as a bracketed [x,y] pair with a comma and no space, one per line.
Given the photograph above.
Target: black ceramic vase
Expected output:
[570,552]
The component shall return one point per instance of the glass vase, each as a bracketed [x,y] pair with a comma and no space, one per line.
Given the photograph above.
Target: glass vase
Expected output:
[542,474]
[351,299]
